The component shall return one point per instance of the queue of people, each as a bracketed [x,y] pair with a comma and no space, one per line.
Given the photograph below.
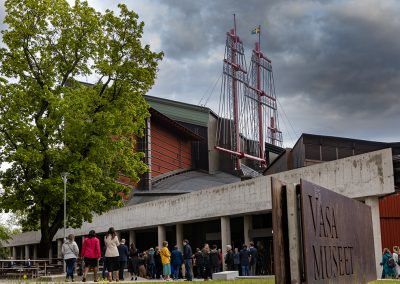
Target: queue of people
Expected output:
[155,263]
[390,263]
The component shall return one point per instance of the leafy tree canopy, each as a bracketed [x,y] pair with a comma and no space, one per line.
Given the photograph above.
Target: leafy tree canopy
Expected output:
[51,123]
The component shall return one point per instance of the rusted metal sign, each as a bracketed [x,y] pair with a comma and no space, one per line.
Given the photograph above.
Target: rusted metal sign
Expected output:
[337,237]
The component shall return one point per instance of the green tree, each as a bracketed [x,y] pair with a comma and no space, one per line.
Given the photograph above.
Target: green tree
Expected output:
[51,123]
[5,235]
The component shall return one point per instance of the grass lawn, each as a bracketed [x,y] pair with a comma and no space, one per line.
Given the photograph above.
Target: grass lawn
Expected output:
[263,281]
[266,281]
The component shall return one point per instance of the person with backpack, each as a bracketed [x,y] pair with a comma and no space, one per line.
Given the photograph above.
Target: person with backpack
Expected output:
[388,263]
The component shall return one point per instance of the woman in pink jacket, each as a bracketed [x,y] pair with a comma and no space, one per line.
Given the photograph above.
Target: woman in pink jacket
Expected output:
[91,254]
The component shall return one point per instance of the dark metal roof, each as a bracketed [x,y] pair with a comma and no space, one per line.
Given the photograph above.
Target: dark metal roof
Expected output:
[180,111]
[185,182]
[174,126]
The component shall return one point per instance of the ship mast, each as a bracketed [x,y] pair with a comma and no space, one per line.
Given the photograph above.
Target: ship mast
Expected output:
[247,111]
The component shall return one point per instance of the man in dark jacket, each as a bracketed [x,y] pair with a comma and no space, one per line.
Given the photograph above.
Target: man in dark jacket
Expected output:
[253,259]
[176,262]
[215,260]
[123,258]
[157,259]
[198,260]
[244,260]
[229,258]
[187,257]
[151,264]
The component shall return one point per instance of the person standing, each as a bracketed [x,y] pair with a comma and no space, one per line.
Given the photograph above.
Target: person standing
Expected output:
[230,266]
[187,257]
[91,254]
[133,261]
[396,260]
[253,259]
[112,254]
[70,251]
[151,264]
[123,258]
[176,262]
[166,261]
[387,271]
[206,262]
[159,266]
[215,259]
[244,260]
[236,261]
[198,261]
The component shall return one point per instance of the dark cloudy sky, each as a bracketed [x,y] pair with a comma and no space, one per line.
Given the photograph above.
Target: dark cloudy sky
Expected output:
[336,63]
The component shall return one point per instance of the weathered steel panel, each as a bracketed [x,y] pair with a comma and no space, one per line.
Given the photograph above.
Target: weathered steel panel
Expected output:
[337,237]
[280,232]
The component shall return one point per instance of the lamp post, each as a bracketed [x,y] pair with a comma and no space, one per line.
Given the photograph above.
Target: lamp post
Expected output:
[64,176]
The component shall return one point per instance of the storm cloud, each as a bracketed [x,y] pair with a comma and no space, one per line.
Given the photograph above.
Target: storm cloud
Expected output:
[336,63]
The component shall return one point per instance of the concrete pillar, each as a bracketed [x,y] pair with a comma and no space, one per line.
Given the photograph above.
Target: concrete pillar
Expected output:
[162,235]
[27,252]
[51,253]
[247,227]
[179,236]
[59,247]
[373,202]
[14,252]
[132,237]
[35,251]
[225,235]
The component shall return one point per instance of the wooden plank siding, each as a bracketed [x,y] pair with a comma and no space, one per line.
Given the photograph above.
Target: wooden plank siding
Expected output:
[169,151]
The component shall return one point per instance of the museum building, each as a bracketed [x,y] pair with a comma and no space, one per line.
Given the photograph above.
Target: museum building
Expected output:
[193,191]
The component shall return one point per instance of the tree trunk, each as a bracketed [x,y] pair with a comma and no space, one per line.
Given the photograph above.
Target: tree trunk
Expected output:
[44,248]
[48,231]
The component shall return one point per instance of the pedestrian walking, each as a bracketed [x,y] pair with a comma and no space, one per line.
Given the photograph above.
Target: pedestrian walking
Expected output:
[70,251]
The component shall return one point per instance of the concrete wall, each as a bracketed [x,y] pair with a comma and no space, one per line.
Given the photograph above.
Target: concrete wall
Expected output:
[360,176]
[369,174]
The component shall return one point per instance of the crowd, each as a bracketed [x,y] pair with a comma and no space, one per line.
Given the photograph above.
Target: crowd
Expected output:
[155,263]
[390,263]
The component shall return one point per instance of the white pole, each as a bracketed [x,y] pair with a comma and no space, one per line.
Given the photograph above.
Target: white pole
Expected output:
[64,177]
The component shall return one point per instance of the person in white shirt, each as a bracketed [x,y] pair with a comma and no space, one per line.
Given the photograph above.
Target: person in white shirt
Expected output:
[112,255]
[396,260]
[70,251]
